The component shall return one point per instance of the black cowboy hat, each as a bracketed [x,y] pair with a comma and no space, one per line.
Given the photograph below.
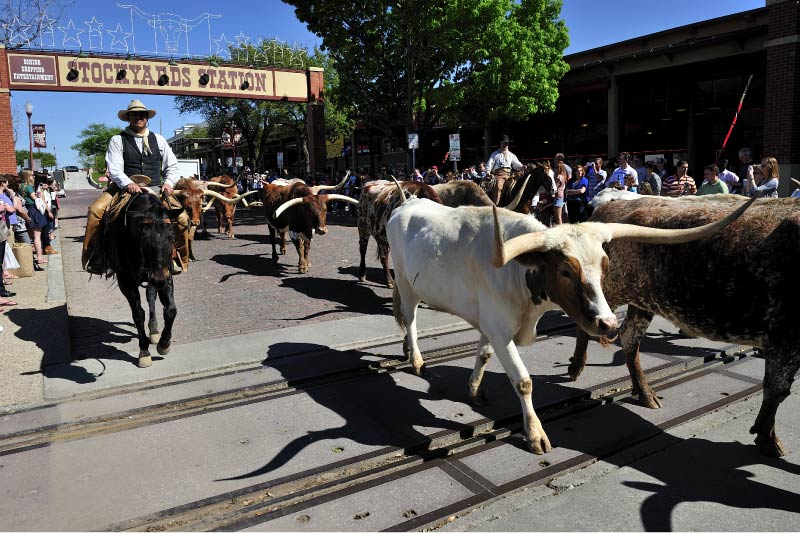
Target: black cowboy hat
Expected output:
[505,140]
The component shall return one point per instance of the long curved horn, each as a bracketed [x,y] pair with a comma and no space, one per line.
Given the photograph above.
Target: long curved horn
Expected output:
[399,190]
[329,197]
[179,193]
[503,252]
[233,200]
[513,205]
[209,204]
[220,185]
[631,232]
[286,205]
[316,188]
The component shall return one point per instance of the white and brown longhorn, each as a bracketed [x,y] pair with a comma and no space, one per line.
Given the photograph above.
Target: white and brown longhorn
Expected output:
[513,271]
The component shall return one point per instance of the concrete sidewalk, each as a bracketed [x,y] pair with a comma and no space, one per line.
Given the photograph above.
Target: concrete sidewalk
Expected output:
[35,330]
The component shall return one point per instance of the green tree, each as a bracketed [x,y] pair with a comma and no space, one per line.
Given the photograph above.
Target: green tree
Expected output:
[261,121]
[428,60]
[94,142]
[23,158]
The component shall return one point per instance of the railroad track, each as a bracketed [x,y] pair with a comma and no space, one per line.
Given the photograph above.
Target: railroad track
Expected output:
[293,496]
[300,495]
[19,441]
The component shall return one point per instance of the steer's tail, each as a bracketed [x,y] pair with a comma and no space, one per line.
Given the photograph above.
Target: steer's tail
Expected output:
[397,307]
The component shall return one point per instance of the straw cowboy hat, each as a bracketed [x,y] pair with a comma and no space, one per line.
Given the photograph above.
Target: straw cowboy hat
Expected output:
[135,105]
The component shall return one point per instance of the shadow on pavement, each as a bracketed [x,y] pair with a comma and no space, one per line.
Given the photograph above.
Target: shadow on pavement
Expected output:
[381,412]
[346,295]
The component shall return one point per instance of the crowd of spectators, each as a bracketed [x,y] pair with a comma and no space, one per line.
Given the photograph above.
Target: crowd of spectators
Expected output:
[28,216]
[577,182]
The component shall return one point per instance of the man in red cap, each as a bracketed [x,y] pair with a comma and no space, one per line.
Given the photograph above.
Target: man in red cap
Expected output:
[432,176]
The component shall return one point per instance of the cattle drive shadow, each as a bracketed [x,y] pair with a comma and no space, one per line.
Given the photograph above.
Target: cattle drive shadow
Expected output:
[401,411]
[251,265]
[347,296]
[89,338]
[688,470]
[254,238]
[375,409]
[375,275]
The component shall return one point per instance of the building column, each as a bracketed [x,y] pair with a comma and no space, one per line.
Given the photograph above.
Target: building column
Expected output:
[613,117]
[315,120]
[8,157]
[782,114]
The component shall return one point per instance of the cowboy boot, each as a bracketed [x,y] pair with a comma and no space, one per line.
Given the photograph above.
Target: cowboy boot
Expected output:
[94,216]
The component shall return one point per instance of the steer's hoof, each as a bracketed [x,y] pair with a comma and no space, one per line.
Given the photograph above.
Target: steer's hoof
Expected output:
[362,278]
[650,401]
[389,285]
[163,349]
[574,370]
[770,445]
[145,361]
[154,338]
[479,399]
[540,446]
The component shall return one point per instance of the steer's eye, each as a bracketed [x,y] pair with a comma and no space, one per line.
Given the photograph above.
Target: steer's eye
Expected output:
[564,272]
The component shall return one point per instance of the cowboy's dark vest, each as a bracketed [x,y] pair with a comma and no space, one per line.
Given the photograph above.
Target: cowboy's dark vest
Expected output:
[137,163]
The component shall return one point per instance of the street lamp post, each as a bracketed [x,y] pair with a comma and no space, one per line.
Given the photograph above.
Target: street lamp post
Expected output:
[29,112]
[232,127]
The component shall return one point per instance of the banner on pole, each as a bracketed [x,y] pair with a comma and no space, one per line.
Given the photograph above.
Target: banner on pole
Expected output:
[39,136]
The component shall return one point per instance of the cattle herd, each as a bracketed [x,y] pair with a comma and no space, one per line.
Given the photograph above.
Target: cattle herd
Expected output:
[500,270]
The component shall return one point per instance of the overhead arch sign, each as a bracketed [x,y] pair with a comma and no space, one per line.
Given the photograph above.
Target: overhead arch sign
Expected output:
[54,72]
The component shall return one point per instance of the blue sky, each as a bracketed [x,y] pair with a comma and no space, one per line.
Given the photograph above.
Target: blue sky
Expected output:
[104,26]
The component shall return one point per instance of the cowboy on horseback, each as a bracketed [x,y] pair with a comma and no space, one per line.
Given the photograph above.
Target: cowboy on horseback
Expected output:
[136,152]
[500,164]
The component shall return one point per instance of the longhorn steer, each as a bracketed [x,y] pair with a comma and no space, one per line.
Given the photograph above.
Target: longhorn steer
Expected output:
[442,257]
[378,199]
[463,192]
[190,194]
[225,210]
[298,208]
[747,294]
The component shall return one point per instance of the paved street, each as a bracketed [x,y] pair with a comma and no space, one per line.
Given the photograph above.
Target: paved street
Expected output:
[233,288]
[285,404]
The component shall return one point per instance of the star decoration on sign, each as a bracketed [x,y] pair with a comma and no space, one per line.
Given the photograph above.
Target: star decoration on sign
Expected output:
[71,34]
[17,33]
[46,26]
[222,46]
[95,34]
[119,39]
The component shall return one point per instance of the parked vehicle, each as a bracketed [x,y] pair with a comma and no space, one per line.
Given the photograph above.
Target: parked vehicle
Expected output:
[71,168]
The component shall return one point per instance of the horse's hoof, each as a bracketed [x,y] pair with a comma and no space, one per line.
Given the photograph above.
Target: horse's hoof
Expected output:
[145,361]
[389,285]
[154,338]
[770,445]
[163,350]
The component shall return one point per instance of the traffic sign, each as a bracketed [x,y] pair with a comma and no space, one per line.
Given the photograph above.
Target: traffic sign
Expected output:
[413,141]
[455,147]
